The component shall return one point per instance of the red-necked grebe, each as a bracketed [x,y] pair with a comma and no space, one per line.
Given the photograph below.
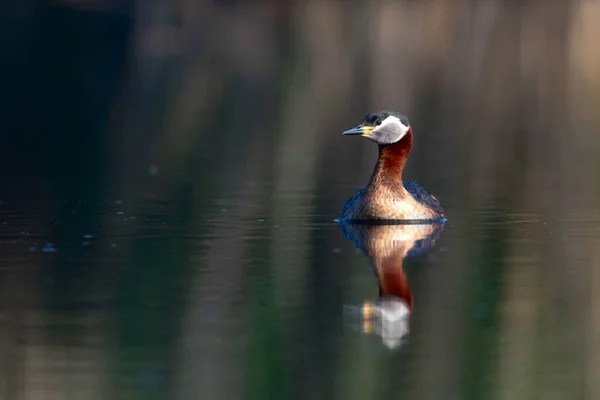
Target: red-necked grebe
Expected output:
[386,197]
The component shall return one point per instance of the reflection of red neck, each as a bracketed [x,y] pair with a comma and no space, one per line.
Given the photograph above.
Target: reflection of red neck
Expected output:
[393,280]
[392,158]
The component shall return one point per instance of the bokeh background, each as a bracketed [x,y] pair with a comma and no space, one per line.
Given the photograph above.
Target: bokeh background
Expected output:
[170,172]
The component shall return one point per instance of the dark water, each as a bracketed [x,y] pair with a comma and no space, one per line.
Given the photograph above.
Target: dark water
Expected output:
[157,297]
[170,177]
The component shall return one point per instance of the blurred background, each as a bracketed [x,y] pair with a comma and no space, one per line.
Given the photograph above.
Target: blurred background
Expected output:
[170,173]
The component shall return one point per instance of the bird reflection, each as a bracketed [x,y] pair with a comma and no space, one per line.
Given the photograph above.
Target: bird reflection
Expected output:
[386,246]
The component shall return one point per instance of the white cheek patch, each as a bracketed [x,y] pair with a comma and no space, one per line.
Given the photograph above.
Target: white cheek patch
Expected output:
[395,124]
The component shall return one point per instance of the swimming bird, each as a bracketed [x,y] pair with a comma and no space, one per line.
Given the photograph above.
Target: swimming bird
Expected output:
[386,197]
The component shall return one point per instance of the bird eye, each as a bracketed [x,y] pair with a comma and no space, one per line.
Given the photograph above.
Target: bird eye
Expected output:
[378,122]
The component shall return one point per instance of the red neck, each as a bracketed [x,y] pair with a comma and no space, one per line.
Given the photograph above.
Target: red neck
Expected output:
[392,158]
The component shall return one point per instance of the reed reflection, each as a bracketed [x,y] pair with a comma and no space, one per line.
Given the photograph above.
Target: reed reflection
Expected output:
[387,246]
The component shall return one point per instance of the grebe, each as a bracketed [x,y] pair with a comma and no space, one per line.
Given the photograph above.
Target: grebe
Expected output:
[386,197]
[386,246]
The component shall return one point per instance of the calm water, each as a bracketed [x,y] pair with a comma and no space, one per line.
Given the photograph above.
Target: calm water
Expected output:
[170,175]
[157,297]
